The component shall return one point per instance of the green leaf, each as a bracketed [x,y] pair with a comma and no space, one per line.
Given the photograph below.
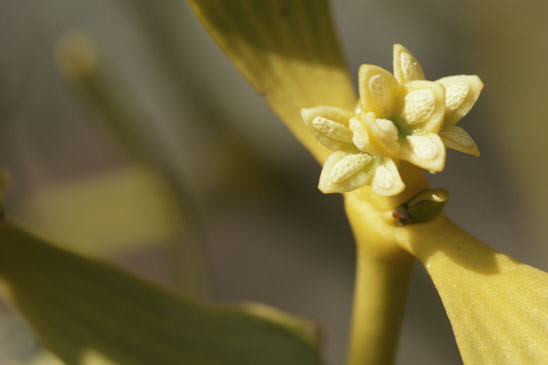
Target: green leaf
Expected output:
[87,312]
[288,52]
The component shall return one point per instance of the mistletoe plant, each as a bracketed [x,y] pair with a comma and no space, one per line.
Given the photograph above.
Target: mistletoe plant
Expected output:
[401,125]
[374,149]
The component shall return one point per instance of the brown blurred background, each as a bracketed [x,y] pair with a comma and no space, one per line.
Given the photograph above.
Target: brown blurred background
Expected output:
[244,190]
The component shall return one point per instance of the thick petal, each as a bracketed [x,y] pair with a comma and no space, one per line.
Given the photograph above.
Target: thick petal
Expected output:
[361,137]
[461,93]
[344,172]
[330,126]
[423,106]
[378,90]
[383,135]
[458,139]
[406,67]
[425,151]
[387,180]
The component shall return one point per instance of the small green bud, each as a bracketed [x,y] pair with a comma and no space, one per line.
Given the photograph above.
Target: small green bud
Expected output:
[422,208]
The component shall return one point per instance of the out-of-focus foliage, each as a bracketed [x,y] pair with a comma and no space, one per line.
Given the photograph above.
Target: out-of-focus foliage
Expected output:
[120,210]
[79,60]
[87,312]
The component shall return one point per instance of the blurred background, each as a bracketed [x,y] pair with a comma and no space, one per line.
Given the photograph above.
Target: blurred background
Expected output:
[169,162]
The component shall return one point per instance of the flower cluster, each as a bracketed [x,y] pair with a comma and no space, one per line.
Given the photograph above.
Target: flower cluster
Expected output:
[400,117]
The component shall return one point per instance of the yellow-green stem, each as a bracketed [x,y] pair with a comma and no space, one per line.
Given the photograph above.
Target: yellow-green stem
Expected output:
[382,272]
[379,303]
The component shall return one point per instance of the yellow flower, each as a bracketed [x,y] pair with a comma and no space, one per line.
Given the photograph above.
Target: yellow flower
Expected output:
[407,118]
[399,117]
[349,168]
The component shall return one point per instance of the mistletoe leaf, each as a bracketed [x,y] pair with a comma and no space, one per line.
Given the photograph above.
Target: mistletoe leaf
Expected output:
[288,51]
[497,305]
[87,312]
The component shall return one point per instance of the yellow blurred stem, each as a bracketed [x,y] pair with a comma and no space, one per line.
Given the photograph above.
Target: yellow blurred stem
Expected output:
[78,59]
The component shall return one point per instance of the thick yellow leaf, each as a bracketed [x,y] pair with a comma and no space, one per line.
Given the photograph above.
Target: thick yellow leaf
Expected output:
[288,52]
[87,312]
[498,307]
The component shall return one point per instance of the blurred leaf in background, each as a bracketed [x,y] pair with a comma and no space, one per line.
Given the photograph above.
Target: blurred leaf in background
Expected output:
[124,209]
[87,312]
